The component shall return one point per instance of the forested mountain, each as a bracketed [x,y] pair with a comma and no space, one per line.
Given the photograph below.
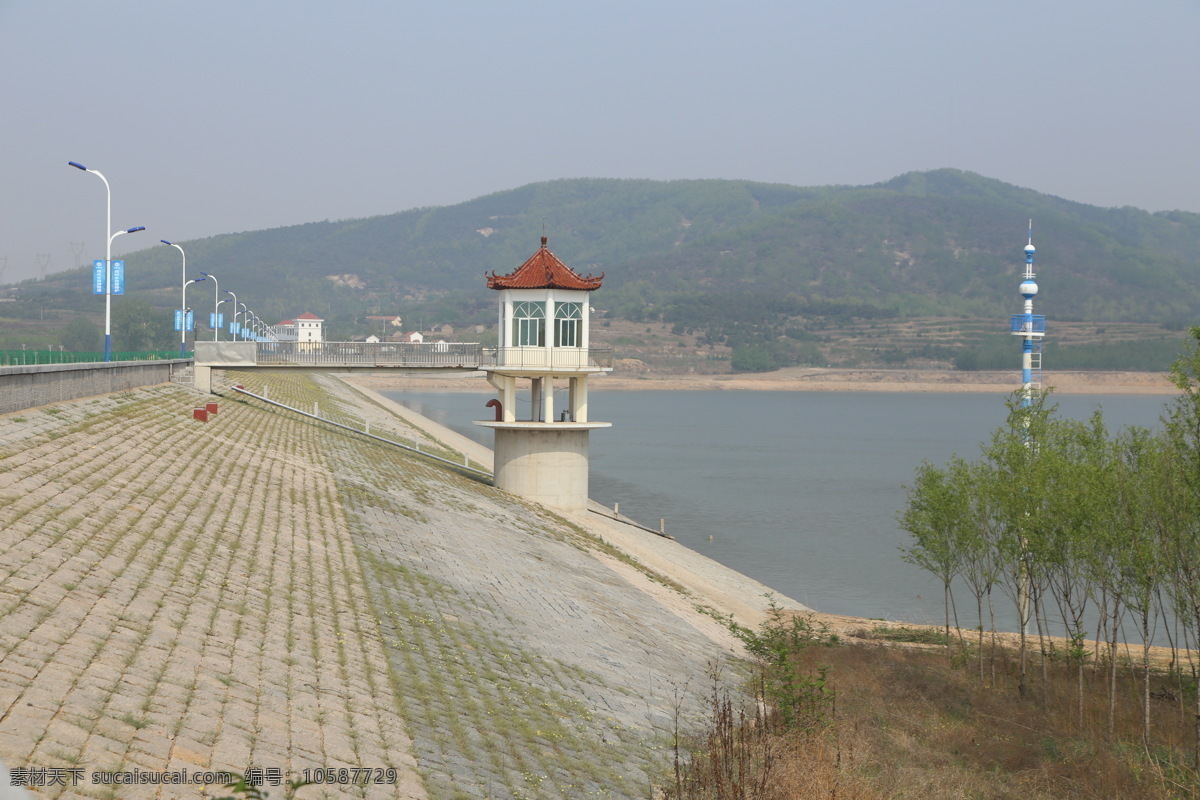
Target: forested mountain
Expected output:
[708,254]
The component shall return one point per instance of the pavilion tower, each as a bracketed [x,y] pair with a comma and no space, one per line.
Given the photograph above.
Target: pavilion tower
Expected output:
[541,448]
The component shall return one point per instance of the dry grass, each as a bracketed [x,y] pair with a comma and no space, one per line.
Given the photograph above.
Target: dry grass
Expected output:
[907,723]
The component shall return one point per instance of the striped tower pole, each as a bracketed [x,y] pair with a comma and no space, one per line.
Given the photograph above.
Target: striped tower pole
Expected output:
[1029,327]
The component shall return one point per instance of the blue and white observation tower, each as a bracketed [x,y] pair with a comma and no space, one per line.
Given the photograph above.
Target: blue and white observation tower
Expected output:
[1031,328]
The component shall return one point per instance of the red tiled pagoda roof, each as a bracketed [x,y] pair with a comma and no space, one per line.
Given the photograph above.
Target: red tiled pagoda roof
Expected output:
[543,270]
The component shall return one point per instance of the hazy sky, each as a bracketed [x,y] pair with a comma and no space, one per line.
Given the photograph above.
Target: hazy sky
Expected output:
[217,116]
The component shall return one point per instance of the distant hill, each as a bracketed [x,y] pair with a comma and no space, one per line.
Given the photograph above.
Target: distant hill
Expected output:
[734,257]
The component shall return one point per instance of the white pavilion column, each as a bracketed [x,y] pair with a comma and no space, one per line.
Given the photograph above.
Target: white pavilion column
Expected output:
[535,399]
[548,399]
[579,399]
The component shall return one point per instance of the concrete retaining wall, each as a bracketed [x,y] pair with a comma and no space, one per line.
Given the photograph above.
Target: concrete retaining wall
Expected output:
[39,385]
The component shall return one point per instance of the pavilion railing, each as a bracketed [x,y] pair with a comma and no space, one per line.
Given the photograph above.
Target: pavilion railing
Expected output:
[548,358]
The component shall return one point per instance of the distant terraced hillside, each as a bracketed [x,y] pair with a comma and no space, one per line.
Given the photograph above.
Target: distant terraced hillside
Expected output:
[767,272]
[261,590]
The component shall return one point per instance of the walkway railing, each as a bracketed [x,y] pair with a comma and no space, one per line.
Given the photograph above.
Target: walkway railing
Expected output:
[428,355]
[367,354]
[554,358]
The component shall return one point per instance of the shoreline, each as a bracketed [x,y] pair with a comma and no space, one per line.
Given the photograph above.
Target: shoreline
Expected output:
[823,379]
[704,577]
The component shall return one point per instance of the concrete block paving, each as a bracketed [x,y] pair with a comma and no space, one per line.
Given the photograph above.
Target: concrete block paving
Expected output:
[264,590]
[170,591]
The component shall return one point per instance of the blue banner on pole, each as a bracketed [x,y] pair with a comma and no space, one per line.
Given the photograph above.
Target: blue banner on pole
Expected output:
[191,320]
[118,277]
[216,320]
[178,319]
[98,276]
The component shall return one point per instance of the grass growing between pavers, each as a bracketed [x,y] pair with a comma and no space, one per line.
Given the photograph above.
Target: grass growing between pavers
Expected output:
[141,617]
[489,718]
[509,718]
[239,592]
[340,403]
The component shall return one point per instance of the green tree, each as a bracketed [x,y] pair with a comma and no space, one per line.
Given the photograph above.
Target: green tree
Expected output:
[753,358]
[81,336]
[1019,493]
[979,561]
[1178,509]
[1076,459]
[937,518]
[137,326]
[1138,555]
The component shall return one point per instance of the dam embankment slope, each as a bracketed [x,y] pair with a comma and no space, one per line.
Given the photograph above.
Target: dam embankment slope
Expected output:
[262,590]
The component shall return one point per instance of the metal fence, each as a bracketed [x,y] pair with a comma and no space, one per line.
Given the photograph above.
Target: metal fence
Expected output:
[369,354]
[20,358]
[432,354]
[552,358]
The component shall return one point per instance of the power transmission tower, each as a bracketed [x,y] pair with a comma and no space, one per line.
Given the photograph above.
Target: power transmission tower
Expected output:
[77,249]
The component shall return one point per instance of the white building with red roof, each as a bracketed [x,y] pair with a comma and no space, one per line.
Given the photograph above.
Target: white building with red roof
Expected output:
[307,327]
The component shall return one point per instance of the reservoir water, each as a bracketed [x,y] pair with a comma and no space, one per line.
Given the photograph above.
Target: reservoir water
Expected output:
[799,490]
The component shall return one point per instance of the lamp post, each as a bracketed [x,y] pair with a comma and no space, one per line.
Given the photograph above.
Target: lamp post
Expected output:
[223,302]
[107,257]
[233,326]
[216,294]
[182,299]
[108,290]
[183,325]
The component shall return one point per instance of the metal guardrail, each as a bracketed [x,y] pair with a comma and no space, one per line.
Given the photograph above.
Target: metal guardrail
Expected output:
[1028,323]
[465,465]
[553,358]
[434,354]
[368,354]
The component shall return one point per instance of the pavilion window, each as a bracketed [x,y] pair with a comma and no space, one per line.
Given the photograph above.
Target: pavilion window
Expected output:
[568,324]
[529,324]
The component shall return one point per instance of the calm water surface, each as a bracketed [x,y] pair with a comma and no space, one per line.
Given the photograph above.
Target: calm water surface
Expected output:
[799,490]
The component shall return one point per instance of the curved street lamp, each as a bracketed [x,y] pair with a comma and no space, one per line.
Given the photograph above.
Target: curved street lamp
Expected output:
[107,257]
[182,299]
[233,322]
[216,294]
[183,326]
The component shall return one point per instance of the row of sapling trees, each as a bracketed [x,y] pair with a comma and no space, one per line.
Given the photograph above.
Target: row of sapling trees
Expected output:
[1073,522]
